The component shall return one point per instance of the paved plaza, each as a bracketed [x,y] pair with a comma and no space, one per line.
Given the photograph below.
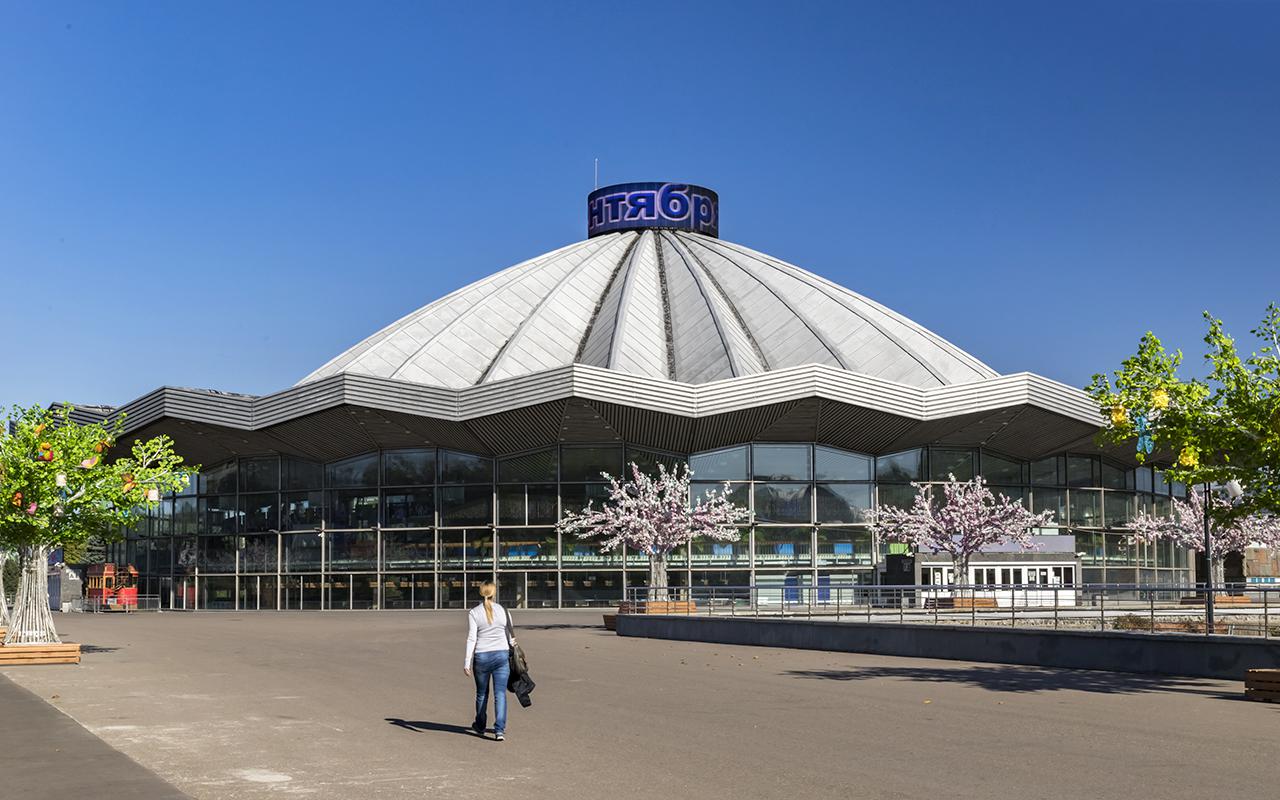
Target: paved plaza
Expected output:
[374,704]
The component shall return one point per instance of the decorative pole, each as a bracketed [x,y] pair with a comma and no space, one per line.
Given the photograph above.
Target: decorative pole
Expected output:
[1208,566]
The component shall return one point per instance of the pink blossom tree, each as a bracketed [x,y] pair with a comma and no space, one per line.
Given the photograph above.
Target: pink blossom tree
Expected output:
[969,518]
[654,515]
[1185,528]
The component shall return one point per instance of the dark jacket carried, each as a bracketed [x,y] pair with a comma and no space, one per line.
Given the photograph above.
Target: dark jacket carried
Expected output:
[518,681]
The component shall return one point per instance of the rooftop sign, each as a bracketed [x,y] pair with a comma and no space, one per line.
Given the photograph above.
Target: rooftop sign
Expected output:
[635,206]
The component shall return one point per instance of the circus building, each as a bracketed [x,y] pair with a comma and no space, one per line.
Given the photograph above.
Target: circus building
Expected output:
[442,449]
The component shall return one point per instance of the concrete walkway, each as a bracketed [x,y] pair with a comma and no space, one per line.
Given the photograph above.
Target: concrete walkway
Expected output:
[46,755]
[334,705]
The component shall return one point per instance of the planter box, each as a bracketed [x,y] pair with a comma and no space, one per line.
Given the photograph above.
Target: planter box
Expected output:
[611,622]
[1263,684]
[17,655]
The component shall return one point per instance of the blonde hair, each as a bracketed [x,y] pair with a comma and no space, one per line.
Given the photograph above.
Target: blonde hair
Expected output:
[488,590]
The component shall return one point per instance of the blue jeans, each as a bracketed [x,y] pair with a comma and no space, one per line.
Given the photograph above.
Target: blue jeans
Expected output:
[483,666]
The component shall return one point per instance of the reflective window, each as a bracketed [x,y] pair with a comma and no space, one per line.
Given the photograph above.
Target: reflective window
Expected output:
[217,554]
[783,502]
[520,546]
[1046,472]
[402,549]
[906,466]
[299,474]
[409,508]
[220,479]
[575,552]
[408,467]
[358,471]
[218,514]
[843,502]
[648,461]
[1083,471]
[511,505]
[352,550]
[301,552]
[946,463]
[186,517]
[830,464]
[259,474]
[1119,508]
[729,464]
[260,512]
[587,463]
[541,503]
[1114,477]
[708,552]
[465,468]
[1143,476]
[1054,500]
[781,462]
[539,466]
[1160,486]
[839,546]
[738,493]
[997,469]
[301,510]
[783,546]
[574,497]
[901,496]
[258,553]
[353,508]
[466,505]
[1086,508]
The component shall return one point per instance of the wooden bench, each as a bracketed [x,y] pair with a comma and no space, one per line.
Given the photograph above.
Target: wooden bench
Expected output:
[966,603]
[1263,684]
[1220,600]
[16,655]
[683,607]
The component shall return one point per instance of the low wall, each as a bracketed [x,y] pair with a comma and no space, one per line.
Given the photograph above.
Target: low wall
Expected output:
[1162,654]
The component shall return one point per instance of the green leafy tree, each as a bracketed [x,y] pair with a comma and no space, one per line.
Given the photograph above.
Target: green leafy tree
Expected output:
[1224,427]
[62,484]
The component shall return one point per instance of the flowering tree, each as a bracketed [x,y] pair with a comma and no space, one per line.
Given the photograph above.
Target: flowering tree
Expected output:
[1185,528]
[60,486]
[969,519]
[653,515]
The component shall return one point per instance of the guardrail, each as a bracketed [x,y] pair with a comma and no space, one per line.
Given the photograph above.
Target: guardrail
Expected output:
[1238,610]
[146,602]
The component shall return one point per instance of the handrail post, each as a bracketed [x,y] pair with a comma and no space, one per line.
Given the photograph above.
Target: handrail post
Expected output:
[973,607]
[1102,609]
[1055,608]
[1266,616]
[1151,605]
[839,589]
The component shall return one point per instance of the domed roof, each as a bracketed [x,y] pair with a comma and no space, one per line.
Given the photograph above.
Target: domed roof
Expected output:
[668,304]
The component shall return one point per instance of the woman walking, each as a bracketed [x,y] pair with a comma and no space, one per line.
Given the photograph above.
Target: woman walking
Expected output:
[487,649]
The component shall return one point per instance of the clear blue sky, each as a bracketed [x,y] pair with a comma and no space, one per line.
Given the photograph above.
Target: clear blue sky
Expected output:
[227,195]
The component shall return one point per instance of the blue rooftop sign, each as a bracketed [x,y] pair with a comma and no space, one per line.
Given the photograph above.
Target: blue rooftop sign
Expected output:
[634,206]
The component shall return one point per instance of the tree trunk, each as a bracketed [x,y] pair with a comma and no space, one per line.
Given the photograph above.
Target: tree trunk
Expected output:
[31,621]
[1219,568]
[4,603]
[959,571]
[658,576]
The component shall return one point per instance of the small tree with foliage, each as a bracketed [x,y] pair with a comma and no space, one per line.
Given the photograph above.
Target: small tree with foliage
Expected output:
[968,519]
[1223,428]
[654,515]
[1185,528]
[60,485]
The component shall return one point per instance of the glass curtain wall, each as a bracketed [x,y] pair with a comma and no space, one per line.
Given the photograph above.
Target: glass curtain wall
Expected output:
[421,528]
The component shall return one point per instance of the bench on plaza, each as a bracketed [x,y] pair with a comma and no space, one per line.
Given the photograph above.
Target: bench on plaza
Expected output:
[966,603]
[1263,684]
[681,607]
[18,655]
[1220,600]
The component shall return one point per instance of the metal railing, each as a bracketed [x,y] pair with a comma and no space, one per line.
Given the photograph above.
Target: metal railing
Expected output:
[1239,610]
[146,602]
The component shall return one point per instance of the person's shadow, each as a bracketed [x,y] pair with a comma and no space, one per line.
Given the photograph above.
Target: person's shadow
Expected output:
[422,726]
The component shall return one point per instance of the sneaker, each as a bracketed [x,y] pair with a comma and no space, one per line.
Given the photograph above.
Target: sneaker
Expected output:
[500,736]
[478,728]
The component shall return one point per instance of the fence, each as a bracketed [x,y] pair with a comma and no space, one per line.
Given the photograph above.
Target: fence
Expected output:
[1238,610]
[146,602]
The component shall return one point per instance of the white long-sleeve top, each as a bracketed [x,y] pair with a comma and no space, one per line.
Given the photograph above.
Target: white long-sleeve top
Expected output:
[484,636]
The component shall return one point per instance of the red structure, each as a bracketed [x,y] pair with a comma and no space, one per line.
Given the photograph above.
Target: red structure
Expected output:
[113,588]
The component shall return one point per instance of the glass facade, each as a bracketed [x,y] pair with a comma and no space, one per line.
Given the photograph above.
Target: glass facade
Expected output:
[422,528]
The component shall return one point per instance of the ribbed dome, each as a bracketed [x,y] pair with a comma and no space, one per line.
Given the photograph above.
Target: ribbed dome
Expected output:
[666,304]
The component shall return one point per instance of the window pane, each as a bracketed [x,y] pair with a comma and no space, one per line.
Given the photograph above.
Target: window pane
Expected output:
[408,549]
[897,496]
[353,508]
[218,514]
[408,467]
[466,505]
[539,466]
[1045,472]
[1002,470]
[577,552]
[299,474]
[217,554]
[1114,477]
[1054,500]
[302,510]
[1086,508]
[648,461]
[738,493]
[1143,475]
[465,468]
[905,466]
[783,502]
[729,464]
[1119,509]
[945,463]
[574,497]
[781,462]
[844,546]
[1160,486]
[358,471]
[409,508]
[260,512]
[301,552]
[782,546]
[511,505]
[259,474]
[586,463]
[532,546]
[542,503]
[1082,471]
[186,517]
[218,479]
[591,589]
[830,464]
[353,550]
[258,553]
[843,502]
[707,552]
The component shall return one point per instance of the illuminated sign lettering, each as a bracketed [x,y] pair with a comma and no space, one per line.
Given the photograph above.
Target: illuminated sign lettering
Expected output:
[634,206]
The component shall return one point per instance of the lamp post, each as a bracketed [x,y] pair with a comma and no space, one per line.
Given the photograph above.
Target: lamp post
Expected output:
[1208,566]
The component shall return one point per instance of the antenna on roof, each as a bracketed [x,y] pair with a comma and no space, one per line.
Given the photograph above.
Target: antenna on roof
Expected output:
[597,186]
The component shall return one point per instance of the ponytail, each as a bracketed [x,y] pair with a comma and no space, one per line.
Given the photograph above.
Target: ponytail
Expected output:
[487,591]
